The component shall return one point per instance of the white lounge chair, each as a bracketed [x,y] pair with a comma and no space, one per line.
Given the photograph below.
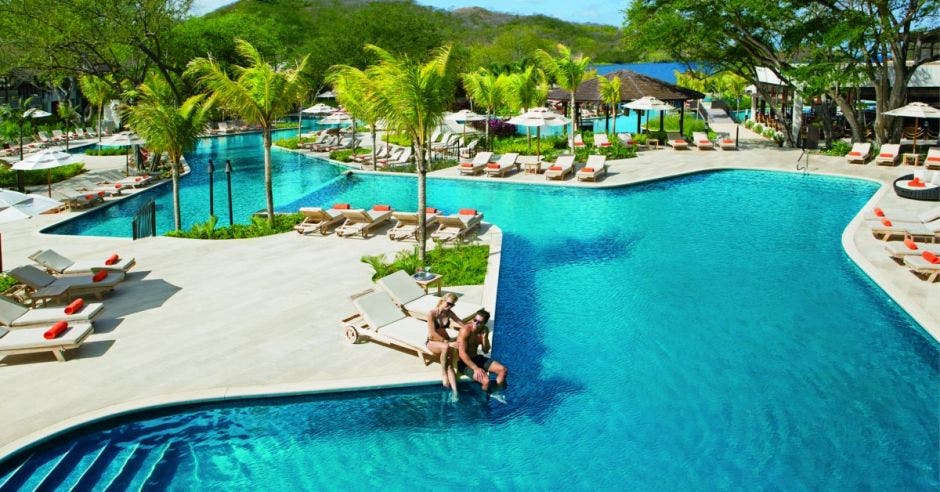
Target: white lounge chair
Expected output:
[76,199]
[503,165]
[135,181]
[402,160]
[45,287]
[888,155]
[379,319]
[31,340]
[320,220]
[406,225]
[361,222]
[475,166]
[727,143]
[929,215]
[932,161]
[675,140]
[56,263]
[702,142]
[626,139]
[926,264]
[600,140]
[578,141]
[859,153]
[889,228]
[563,166]
[595,167]
[409,296]
[457,227]
[14,314]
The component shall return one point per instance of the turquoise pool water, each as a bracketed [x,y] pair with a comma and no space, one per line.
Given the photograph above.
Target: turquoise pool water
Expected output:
[701,331]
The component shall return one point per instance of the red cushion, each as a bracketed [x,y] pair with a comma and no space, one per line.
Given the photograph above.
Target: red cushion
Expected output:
[100,193]
[606,144]
[340,206]
[99,276]
[138,178]
[55,330]
[916,183]
[854,153]
[467,211]
[933,159]
[727,140]
[492,165]
[555,168]
[703,142]
[910,243]
[381,208]
[885,155]
[932,258]
[588,169]
[679,141]
[75,306]
[879,212]
[430,210]
[89,197]
[886,222]
[112,259]
[466,164]
[117,185]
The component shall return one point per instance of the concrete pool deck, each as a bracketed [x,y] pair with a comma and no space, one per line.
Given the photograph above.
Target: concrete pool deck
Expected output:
[219,319]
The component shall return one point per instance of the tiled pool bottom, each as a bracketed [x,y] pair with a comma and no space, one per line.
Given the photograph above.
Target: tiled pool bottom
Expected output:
[701,330]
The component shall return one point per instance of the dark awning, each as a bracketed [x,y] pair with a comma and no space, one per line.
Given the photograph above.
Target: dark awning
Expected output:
[632,86]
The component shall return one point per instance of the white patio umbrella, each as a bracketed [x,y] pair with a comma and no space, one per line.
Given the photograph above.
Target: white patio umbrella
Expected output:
[45,159]
[463,116]
[35,113]
[319,108]
[326,95]
[649,103]
[537,118]
[124,139]
[17,206]
[337,118]
[915,110]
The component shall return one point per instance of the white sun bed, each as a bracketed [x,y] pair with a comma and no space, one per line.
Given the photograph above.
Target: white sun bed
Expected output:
[319,220]
[56,263]
[31,340]
[15,314]
[595,167]
[475,166]
[46,287]
[702,142]
[859,153]
[502,166]
[409,296]
[900,249]
[456,227]
[361,222]
[921,265]
[563,166]
[888,155]
[406,224]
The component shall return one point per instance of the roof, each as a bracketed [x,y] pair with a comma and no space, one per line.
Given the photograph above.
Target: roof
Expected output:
[632,86]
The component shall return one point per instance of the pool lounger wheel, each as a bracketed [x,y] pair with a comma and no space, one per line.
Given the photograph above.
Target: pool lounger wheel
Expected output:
[352,334]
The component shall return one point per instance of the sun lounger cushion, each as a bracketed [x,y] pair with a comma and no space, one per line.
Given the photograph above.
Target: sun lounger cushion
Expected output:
[381,208]
[467,211]
[60,264]
[15,314]
[378,309]
[30,338]
[341,206]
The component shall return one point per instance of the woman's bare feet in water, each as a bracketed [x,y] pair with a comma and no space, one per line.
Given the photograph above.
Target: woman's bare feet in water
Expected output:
[444,380]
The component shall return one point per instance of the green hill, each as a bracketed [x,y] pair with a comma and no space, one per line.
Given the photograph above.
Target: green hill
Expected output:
[334,31]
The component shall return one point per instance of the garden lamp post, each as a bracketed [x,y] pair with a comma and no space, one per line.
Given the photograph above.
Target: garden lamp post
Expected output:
[211,200]
[228,179]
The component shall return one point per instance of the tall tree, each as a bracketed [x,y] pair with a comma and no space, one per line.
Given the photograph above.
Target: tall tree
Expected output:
[610,95]
[69,118]
[352,87]
[168,126]
[526,88]
[413,96]
[98,91]
[23,121]
[568,71]
[259,94]
[488,90]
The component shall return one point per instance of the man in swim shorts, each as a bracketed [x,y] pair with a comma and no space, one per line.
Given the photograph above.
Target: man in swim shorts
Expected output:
[471,362]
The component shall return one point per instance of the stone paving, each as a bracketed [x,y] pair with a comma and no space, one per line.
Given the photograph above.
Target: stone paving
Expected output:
[216,319]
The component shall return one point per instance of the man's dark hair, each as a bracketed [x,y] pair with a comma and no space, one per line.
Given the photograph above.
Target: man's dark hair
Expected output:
[485,314]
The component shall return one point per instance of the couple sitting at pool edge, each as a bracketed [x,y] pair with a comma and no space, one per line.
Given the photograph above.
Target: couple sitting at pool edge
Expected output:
[464,351]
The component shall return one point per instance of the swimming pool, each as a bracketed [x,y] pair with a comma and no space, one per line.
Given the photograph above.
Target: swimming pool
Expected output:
[707,329]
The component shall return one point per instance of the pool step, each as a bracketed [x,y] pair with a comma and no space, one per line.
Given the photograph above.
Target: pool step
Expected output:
[86,459]
[150,463]
[107,467]
[121,476]
[93,473]
[15,477]
[62,469]
[37,468]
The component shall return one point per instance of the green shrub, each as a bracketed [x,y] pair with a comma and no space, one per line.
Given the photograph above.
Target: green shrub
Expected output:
[758,129]
[432,166]
[292,142]
[35,178]
[400,139]
[109,151]
[259,227]
[345,155]
[285,125]
[459,264]
[769,133]
[6,282]
[520,145]
[748,124]
[839,148]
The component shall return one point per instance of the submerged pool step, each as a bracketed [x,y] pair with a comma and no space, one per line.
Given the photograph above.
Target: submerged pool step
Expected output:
[106,468]
[121,476]
[69,461]
[36,469]
[10,481]
[85,461]
[152,462]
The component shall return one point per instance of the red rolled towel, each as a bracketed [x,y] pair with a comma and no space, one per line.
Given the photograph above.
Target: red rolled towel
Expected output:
[916,183]
[704,142]
[555,168]
[492,165]
[886,222]
[605,144]
[466,164]
[117,185]
[381,208]
[430,210]
[467,211]
[138,179]
[885,155]
[588,169]
[101,193]
[55,330]
[112,259]
[727,141]
[340,206]
[910,244]
[75,306]
[879,212]
[89,197]
[99,276]
[932,258]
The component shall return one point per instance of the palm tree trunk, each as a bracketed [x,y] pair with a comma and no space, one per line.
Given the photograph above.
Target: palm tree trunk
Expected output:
[175,171]
[571,137]
[268,182]
[373,146]
[100,115]
[615,119]
[422,203]
[486,129]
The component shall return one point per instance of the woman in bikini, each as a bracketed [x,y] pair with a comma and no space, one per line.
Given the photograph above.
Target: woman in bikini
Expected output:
[439,342]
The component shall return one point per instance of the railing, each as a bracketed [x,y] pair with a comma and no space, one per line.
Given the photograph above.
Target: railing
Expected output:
[145,221]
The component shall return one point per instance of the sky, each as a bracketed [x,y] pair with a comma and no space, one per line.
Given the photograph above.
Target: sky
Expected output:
[596,11]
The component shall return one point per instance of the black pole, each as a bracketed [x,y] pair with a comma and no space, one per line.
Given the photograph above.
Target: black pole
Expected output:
[228,178]
[211,204]
[20,177]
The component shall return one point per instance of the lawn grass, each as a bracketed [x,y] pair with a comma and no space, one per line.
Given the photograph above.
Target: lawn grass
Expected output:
[458,264]
[36,178]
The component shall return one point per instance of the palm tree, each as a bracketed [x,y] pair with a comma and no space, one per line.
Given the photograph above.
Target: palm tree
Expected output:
[413,97]
[568,71]
[69,118]
[488,90]
[527,89]
[97,91]
[352,87]
[260,94]
[18,117]
[610,94]
[168,126]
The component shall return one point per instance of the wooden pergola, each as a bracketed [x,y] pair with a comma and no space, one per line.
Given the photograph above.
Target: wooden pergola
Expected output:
[632,86]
